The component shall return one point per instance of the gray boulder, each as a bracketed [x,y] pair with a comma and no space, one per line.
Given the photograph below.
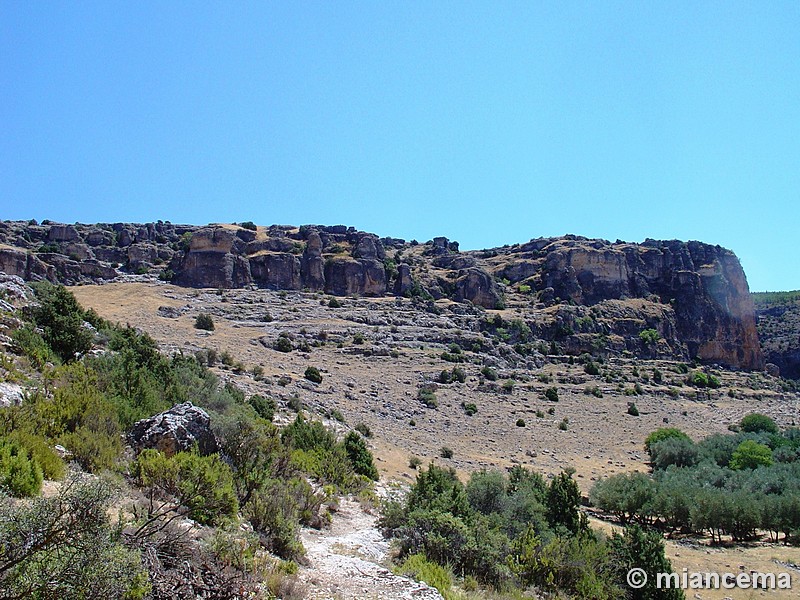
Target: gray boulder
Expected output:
[175,430]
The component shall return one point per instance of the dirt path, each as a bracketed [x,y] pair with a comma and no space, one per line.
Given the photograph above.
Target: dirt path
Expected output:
[347,561]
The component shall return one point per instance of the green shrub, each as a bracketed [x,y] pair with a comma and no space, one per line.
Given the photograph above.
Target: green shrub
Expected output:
[308,435]
[662,434]
[520,422]
[33,346]
[360,457]
[414,462]
[428,397]
[64,546]
[61,319]
[204,321]
[248,225]
[551,394]
[295,403]
[358,338]
[750,454]
[419,568]
[334,303]
[649,336]
[41,452]
[508,386]
[20,474]
[564,424]
[758,423]
[451,357]
[283,344]
[489,373]
[592,368]
[703,380]
[446,452]
[313,375]
[563,501]
[470,408]
[593,391]
[364,430]
[632,410]
[264,406]
[202,484]
[458,374]
[638,549]
[273,513]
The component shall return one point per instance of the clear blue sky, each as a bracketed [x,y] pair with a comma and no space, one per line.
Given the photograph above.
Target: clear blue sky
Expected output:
[487,122]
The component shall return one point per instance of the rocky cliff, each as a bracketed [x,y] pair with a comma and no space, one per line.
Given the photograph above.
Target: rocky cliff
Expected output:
[587,295]
[779,329]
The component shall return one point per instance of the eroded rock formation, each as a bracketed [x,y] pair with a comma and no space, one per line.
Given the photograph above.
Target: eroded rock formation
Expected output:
[695,295]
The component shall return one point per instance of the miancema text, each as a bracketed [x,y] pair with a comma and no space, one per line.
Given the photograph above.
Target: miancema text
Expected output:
[714,581]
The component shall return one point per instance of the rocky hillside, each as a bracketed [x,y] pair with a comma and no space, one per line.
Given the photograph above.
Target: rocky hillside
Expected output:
[779,329]
[574,295]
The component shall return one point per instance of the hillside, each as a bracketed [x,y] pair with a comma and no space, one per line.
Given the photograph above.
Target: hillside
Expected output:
[424,381]
[583,295]
[778,316]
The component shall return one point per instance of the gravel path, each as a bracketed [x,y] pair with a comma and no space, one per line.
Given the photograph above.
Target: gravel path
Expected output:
[346,561]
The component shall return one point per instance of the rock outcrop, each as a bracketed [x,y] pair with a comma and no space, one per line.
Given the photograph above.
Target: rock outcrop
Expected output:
[705,285]
[701,290]
[175,430]
[779,331]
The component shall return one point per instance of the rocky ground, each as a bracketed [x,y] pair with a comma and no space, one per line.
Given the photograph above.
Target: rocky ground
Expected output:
[376,381]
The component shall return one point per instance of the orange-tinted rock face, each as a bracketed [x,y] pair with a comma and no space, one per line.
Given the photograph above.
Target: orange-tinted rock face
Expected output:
[732,335]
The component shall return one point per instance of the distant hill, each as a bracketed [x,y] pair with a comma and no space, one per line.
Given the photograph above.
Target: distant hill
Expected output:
[778,315]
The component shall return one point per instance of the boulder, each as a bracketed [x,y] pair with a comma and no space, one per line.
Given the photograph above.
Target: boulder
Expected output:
[213,269]
[77,251]
[404,281]
[125,238]
[142,255]
[175,430]
[477,286]
[369,247]
[246,235]
[99,237]
[772,370]
[277,271]
[312,266]
[63,233]
[111,255]
[25,265]
[11,394]
[346,277]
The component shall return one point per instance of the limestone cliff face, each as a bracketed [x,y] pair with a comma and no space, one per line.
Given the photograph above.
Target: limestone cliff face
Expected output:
[704,284]
[695,295]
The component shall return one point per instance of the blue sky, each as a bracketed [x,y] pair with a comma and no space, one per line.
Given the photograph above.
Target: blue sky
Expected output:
[487,122]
